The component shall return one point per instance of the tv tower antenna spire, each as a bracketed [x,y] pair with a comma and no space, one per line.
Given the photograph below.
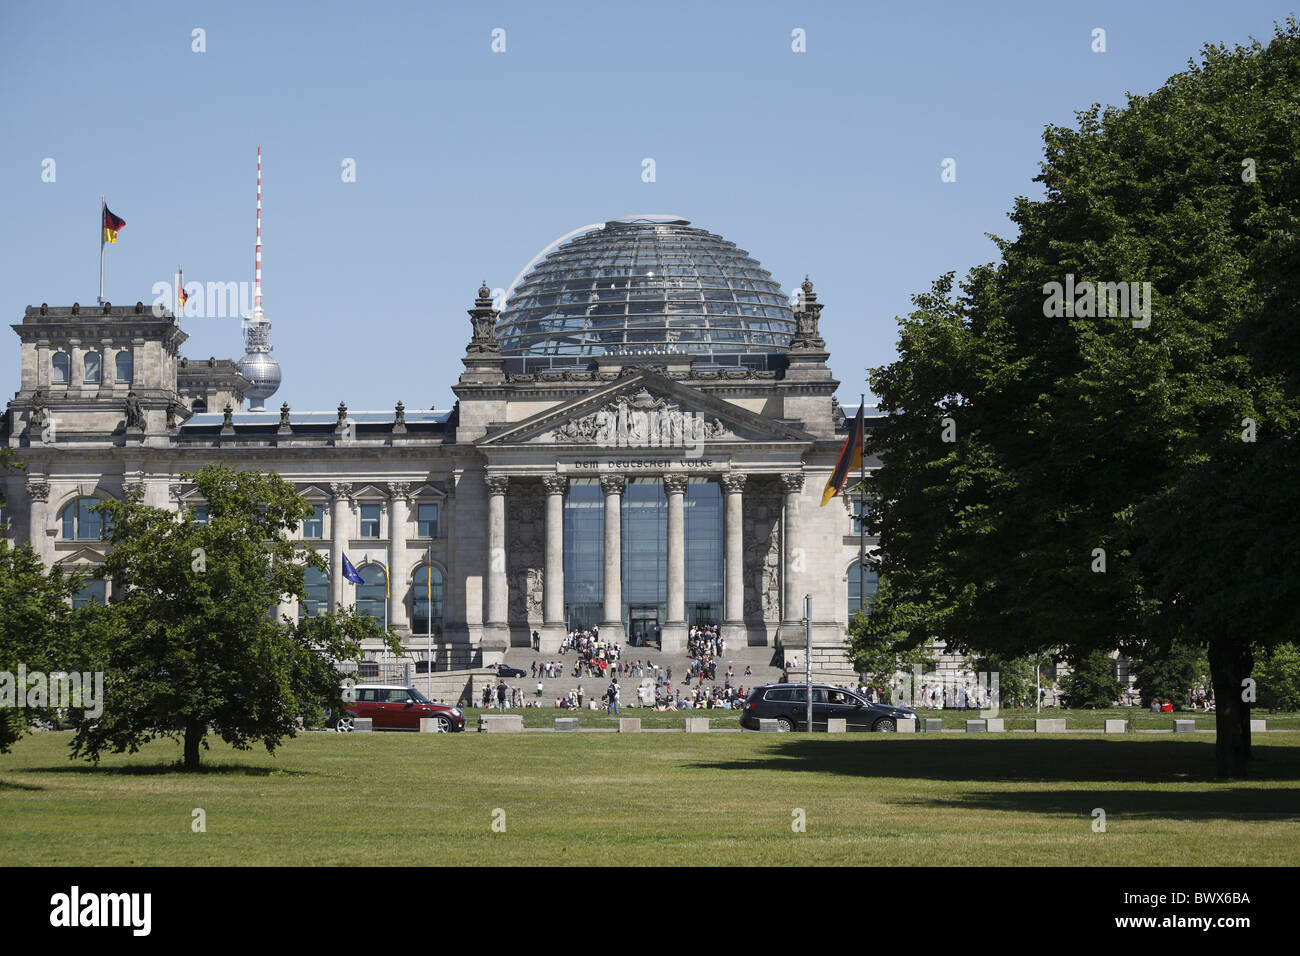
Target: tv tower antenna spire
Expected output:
[257,365]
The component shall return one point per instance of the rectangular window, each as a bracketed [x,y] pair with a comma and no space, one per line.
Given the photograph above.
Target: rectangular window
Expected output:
[314,527]
[370,521]
[858,504]
[426,521]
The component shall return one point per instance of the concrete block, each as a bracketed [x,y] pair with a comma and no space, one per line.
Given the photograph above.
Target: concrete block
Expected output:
[768,725]
[1258,726]
[1049,725]
[836,725]
[566,723]
[933,725]
[1184,726]
[363,725]
[1116,726]
[428,725]
[906,725]
[629,725]
[996,725]
[697,725]
[977,726]
[501,724]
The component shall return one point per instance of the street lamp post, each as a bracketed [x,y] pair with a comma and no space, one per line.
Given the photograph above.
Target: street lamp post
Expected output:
[807,660]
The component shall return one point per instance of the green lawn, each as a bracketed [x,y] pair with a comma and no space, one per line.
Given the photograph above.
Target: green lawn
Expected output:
[669,799]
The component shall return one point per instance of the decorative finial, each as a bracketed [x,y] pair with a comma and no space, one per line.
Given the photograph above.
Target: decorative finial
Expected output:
[227,416]
[807,337]
[401,413]
[284,415]
[483,320]
[343,415]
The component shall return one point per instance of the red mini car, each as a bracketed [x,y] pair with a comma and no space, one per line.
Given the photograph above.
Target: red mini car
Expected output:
[394,707]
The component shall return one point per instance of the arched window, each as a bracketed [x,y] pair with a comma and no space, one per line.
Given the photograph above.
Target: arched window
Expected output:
[199,406]
[857,583]
[93,370]
[80,523]
[371,597]
[92,592]
[426,593]
[60,364]
[318,594]
[123,367]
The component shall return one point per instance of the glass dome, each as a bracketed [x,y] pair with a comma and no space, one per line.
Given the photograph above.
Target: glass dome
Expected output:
[645,287]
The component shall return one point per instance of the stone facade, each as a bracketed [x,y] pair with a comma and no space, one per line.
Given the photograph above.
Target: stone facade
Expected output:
[497,467]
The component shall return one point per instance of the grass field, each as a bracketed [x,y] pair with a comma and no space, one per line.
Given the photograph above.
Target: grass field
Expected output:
[668,799]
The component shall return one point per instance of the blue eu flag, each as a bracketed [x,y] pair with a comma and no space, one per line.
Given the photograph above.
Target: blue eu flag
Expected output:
[350,572]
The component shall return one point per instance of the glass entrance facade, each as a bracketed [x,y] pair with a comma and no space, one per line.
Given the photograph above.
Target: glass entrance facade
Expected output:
[644,552]
[584,553]
[645,548]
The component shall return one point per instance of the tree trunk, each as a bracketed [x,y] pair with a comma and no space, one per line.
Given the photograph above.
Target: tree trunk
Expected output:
[1230,664]
[194,734]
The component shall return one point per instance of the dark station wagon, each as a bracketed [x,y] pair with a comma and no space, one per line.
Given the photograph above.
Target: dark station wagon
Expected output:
[787,704]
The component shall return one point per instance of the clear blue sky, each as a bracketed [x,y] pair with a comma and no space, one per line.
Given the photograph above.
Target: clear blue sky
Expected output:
[469,162]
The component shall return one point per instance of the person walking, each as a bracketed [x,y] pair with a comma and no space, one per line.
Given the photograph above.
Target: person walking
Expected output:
[502,690]
[611,695]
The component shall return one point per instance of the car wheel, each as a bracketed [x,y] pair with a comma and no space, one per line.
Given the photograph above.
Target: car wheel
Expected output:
[884,725]
[444,724]
[344,725]
[784,725]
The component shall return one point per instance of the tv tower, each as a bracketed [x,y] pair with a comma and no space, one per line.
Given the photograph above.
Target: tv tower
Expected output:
[257,365]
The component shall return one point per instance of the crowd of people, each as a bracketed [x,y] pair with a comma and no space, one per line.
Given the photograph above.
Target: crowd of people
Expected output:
[602,661]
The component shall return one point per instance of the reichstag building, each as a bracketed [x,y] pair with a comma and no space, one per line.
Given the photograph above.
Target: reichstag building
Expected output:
[639,440]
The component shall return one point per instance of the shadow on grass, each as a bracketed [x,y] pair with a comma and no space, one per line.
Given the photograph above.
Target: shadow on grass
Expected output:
[8,785]
[1236,803]
[1048,760]
[172,767]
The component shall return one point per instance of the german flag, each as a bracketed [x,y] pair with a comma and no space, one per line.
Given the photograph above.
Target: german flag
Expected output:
[181,297]
[112,226]
[850,459]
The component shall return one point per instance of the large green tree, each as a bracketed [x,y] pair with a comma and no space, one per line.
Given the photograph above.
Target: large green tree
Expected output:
[36,632]
[1068,476]
[193,645]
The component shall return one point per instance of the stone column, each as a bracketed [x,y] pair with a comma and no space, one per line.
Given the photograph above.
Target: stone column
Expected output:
[38,493]
[673,633]
[340,529]
[399,500]
[795,563]
[495,623]
[611,628]
[733,572]
[553,629]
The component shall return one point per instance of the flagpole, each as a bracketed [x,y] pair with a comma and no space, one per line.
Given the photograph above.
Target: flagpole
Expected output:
[428,611]
[103,205]
[862,505]
[180,289]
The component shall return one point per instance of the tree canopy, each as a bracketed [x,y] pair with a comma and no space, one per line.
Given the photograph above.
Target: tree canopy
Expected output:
[1110,469]
[192,644]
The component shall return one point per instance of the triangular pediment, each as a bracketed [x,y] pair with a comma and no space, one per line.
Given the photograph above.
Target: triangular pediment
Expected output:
[644,405]
[80,557]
